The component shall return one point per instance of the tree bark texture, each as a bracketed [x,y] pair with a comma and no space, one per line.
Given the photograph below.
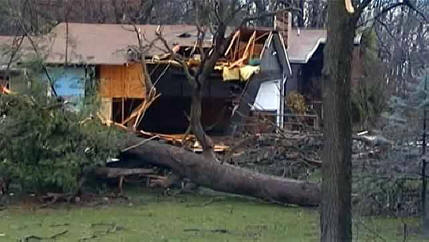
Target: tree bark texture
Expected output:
[199,82]
[197,127]
[336,217]
[226,178]
[301,7]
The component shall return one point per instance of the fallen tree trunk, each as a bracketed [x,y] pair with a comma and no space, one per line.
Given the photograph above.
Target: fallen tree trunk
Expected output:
[225,177]
[118,172]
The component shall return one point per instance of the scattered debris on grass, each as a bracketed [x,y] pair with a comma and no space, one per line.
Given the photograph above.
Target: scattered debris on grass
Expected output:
[40,238]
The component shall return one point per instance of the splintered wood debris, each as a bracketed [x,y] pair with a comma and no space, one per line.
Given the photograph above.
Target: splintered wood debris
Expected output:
[183,139]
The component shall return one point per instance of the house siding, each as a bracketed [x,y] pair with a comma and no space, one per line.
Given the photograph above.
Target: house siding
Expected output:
[68,82]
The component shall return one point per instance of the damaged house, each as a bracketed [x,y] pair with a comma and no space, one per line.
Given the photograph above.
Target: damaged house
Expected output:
[249,79]
[260,68]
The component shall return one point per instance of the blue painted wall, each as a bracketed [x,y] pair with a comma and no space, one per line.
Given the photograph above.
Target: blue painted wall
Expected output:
[69,83]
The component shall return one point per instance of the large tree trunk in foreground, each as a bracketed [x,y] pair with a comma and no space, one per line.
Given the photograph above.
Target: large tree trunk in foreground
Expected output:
[225,177]
[336,217]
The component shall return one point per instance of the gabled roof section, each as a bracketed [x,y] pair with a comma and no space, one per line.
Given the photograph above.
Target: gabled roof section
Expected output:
[304,42]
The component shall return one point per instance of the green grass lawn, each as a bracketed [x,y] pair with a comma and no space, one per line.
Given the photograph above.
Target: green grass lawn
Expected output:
[149,216]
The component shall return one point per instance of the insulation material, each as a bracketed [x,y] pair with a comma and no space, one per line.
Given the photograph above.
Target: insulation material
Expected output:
[243,57]
[231,74]
[122,81]
[239,73]
[246,72]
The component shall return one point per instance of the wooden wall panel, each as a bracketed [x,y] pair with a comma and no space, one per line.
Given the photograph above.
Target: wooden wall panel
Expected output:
[122,81]
[134,81]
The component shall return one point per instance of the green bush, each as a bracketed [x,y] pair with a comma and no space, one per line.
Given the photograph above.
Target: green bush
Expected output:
[370,95]
[44,147]
[368,102]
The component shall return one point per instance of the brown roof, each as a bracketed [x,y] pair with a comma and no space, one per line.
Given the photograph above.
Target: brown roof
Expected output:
[6,43]
[108,43]
[5,40]
[25,51]
[303,43]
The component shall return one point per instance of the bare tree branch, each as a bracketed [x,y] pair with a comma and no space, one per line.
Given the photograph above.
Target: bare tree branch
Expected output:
[147,79]
[391,7]
[176,57]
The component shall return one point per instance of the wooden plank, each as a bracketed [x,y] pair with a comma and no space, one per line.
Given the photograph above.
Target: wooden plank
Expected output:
[117,81]
[134,81]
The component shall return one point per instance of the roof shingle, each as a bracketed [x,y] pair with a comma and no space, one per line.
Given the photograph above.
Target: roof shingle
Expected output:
[108,43]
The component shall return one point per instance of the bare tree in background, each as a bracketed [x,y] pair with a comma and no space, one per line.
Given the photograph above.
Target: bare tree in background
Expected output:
[336,217]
